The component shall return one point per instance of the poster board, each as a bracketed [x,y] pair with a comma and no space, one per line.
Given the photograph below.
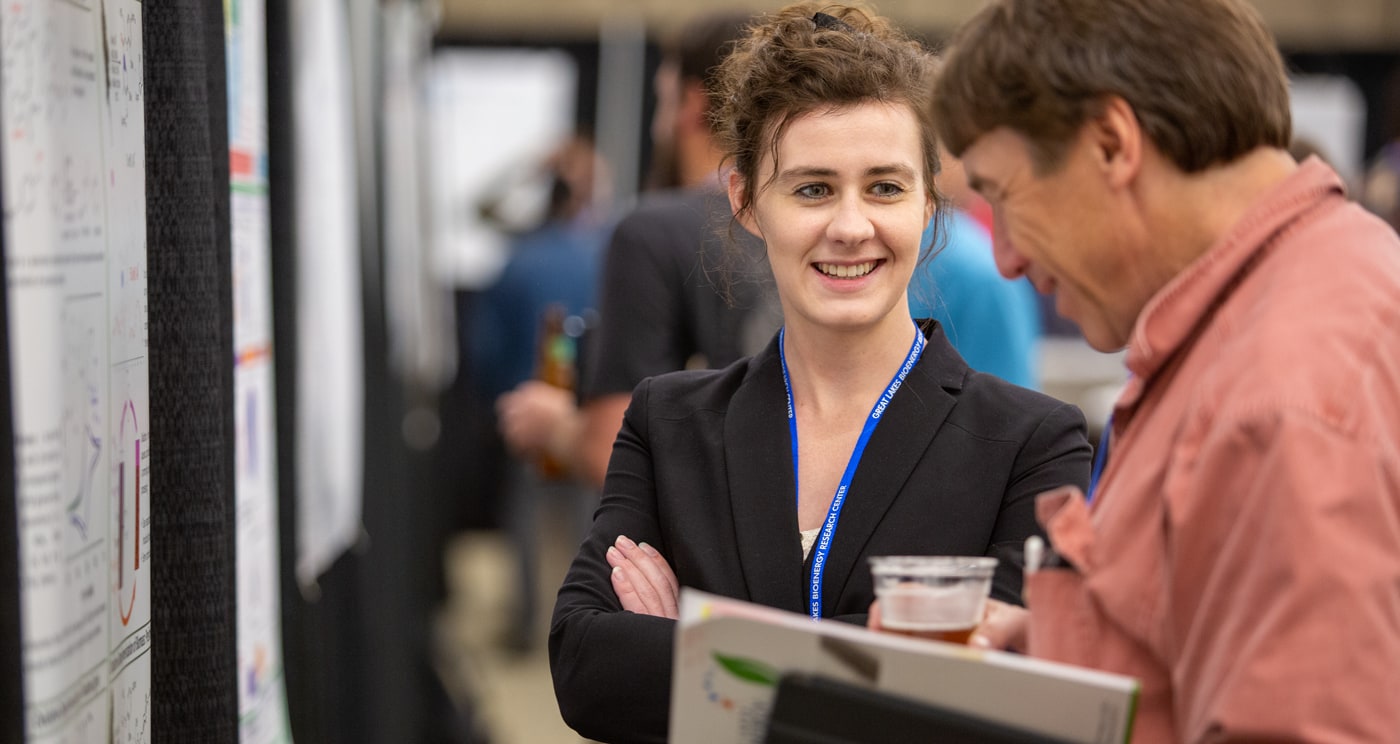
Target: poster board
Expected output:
[262,701]
[73,156]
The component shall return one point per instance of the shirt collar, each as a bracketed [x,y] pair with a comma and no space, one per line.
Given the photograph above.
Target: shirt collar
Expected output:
[1170,318]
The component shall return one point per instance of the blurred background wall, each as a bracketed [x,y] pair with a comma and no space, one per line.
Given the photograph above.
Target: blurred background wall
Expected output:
[1297,23]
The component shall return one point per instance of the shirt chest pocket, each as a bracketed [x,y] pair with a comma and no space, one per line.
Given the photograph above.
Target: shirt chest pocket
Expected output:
[1065,624]
[1107,615]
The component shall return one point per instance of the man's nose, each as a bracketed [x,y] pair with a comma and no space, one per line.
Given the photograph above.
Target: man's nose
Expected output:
[1010,262]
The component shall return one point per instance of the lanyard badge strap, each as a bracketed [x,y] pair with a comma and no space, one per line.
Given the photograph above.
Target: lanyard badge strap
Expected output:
[833,513]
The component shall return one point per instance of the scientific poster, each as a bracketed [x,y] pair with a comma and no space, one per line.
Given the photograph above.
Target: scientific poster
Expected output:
[262,707]
[75,223]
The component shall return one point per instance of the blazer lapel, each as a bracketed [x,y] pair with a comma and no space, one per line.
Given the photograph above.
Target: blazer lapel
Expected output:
[757,447]
[900,441]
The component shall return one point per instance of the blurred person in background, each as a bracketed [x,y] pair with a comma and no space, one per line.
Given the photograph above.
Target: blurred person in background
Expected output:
[660,310]
[520,335]
[1381,189]
[994,324]
[734,481]
[554,261]
[1240,552]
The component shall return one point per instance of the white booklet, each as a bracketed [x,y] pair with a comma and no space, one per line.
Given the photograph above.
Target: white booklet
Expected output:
[729,655]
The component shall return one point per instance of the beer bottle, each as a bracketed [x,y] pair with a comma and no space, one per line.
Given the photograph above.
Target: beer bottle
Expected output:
[555,364]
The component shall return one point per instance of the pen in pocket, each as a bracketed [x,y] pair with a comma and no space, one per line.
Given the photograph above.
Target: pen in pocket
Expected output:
[1034,553]
[1038,555]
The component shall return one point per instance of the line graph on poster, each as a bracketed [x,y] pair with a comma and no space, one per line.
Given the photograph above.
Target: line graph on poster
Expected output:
[83,406]
[131,712]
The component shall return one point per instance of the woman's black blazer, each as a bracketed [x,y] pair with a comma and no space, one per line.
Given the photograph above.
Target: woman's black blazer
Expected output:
[702,471]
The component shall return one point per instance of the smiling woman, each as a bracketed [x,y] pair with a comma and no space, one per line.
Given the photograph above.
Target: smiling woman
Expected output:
[855,433]
[842,215]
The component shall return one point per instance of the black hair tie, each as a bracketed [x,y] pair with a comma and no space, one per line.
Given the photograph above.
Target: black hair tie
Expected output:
[824,21]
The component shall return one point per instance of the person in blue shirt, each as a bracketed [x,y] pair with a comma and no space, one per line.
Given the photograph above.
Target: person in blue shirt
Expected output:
[554,262]
[994,324]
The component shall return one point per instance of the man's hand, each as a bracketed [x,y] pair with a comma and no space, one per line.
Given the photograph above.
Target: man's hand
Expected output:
[644,582]
[537,418]
[1003,626]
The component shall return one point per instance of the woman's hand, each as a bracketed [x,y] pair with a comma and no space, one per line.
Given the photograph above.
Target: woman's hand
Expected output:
[643,581]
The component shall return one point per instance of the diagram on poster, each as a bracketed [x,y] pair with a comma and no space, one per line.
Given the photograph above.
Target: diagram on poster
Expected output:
[74,220]
[131,708]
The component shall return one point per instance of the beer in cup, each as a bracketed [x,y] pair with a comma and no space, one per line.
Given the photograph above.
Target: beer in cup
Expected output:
[934,597]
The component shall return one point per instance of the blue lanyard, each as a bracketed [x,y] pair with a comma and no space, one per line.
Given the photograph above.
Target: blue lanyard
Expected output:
[1100,459]
[833,514]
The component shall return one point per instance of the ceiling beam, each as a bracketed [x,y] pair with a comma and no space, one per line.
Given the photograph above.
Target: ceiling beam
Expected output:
[1302,25]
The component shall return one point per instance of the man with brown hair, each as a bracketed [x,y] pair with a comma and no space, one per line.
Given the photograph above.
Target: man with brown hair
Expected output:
[1240,554]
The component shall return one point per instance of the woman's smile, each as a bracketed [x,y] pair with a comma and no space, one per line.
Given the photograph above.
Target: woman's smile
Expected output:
[847,270]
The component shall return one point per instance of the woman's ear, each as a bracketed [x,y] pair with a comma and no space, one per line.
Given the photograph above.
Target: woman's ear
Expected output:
[737,189]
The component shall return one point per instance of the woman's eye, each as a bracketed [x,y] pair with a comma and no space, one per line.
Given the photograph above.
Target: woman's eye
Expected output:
[813,191]
[888,189]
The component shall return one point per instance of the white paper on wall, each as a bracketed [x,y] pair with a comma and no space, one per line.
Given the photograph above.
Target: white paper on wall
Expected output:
[75,237]
[330,354]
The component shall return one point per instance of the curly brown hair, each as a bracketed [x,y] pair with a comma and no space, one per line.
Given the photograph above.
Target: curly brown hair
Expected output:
[816,56]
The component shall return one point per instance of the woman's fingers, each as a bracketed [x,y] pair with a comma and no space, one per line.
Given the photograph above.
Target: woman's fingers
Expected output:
[629,578]
[633,589]
[658,573]
[622,584]
[627,593]
[642,579]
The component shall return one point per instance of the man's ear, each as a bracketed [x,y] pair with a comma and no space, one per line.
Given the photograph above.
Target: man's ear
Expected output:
[736,201]
[692,113]
[1117,138]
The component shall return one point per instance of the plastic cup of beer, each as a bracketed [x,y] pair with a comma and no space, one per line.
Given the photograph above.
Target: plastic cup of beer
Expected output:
[934,597]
